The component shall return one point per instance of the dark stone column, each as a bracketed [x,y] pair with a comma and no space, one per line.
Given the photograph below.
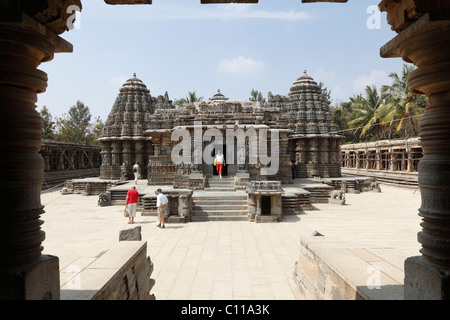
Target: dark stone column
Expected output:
[426,43]
[24,272]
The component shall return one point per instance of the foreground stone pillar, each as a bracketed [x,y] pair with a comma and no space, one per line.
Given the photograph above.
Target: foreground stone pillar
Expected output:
[24,272]
[426,43]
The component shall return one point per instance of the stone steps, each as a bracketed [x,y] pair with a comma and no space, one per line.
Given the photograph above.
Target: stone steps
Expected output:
[221,207]
[218,184]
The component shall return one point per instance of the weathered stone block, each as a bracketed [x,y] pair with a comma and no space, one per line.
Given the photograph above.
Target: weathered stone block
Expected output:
[130,234]
[424,281]
[39,282]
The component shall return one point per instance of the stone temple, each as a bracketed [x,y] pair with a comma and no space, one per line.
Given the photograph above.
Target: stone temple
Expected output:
[124,140]
[140,128]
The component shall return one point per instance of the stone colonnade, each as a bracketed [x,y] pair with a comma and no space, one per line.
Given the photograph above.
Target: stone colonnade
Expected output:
[62,156]
[118,156]
[393,155]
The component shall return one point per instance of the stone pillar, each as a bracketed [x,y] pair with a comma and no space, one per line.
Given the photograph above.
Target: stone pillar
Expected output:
[24,272]
[46,158]
[426,43]
[357,160]
[258,205]
[105,168]
[378,160]
[127,163]
[410,165]
[61,157]
[116,154]
[392,162]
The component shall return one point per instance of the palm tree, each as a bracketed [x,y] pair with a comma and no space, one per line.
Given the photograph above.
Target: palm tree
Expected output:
[404,105]
[190,98]
[369,112]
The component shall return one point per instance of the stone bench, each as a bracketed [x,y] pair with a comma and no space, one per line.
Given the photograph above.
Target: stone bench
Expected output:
[121,273]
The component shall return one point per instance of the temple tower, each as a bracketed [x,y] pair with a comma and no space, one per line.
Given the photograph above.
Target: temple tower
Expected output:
[123,140]
[314,144]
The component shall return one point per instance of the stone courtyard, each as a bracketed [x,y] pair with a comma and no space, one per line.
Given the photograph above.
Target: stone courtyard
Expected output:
[238,260]
[361,250]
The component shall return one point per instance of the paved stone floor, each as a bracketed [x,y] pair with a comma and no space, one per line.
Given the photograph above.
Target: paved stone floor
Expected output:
[233,260]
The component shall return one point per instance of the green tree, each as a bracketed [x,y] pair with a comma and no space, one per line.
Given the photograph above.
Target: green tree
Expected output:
[48,127]
[96,131]
[341,114]
[190,98]
[75,126]
[325,93]
[405,107]
[370,112]
[257,96]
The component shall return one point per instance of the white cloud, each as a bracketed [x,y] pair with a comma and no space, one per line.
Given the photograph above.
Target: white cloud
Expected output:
[376,77]
[240,65]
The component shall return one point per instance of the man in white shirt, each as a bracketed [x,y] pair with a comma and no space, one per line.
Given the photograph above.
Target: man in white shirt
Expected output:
[161,204]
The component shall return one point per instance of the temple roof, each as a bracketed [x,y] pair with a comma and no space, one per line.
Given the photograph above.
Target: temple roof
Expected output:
[304,84]
[218,97]
[134,85]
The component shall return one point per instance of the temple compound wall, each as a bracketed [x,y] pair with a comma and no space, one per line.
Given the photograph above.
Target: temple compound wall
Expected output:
[391,161]
[65,160]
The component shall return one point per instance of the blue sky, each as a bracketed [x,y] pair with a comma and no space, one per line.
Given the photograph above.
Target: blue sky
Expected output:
[180,45]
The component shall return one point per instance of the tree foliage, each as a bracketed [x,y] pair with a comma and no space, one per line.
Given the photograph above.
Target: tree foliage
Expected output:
[392,112]
[257,96]
[74,126]
[48,126]
[190,98]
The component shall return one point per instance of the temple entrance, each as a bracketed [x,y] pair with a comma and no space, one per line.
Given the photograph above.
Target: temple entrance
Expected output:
[265,205]
[223,150]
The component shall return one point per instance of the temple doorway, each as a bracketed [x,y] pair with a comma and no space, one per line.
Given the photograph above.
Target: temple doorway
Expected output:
[223,150]
[265,205]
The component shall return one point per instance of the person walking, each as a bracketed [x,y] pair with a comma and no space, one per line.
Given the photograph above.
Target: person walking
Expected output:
[136,172]
[131,203]
[220,163]
[161,204]
[294,169]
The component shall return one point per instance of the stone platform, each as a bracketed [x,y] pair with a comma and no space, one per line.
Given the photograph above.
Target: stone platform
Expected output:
[204,205]
[241,260]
